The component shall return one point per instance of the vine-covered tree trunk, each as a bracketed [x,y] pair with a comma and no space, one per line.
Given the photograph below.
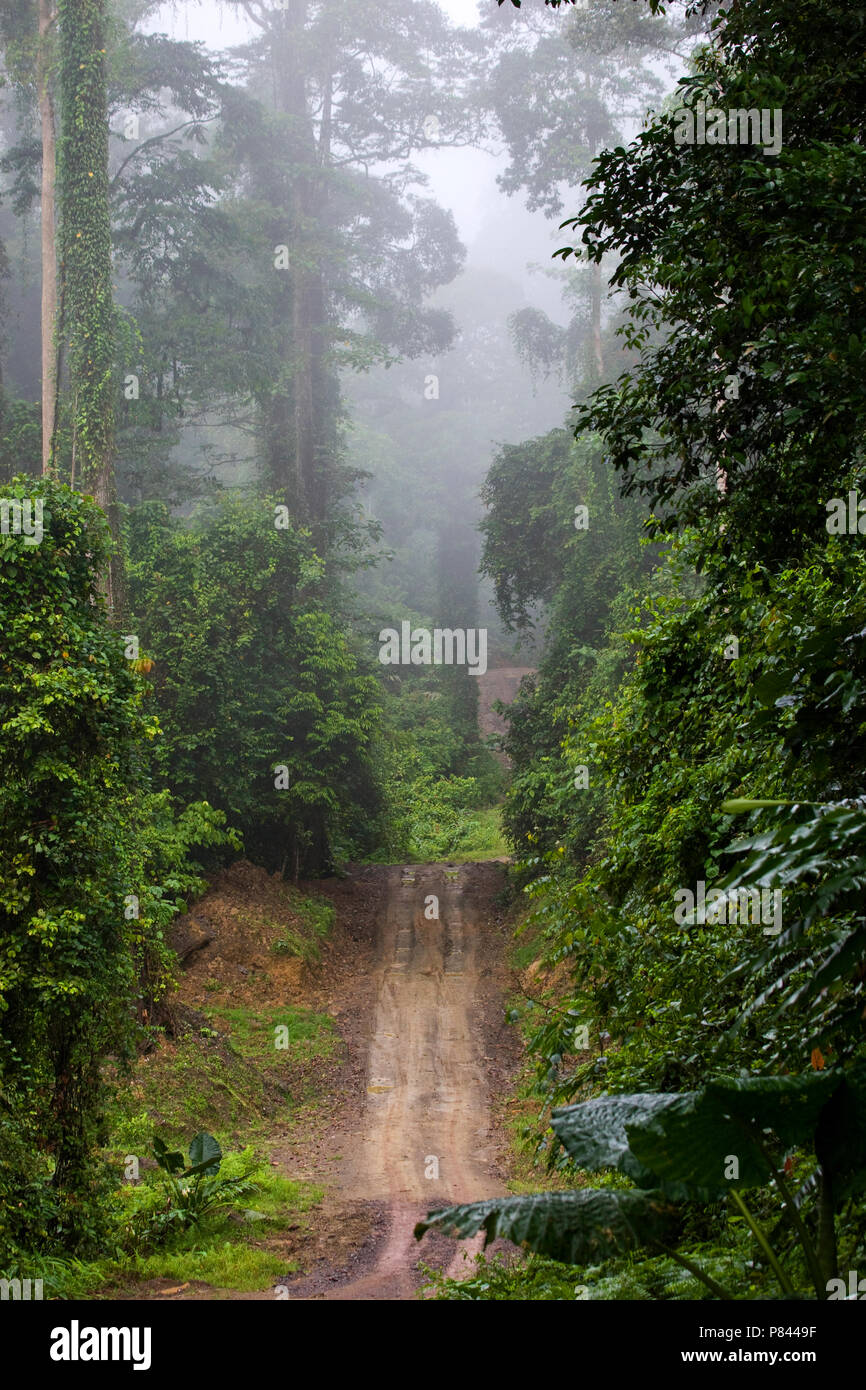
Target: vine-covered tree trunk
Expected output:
[47,18]
[86,270]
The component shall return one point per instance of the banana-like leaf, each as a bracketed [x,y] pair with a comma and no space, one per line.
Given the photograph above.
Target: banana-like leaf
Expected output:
[694,1139]
[580,1227]
[594,1132]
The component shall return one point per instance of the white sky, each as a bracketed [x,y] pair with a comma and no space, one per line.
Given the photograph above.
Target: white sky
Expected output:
[218,24]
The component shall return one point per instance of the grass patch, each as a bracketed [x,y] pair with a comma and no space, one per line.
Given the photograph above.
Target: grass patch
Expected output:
[484,838]
[529,1171]
[184,1086]
[229,1082]
[526,947]
[228,1265]
[317,917]
[61,1278]
[463,837]
[278,1036]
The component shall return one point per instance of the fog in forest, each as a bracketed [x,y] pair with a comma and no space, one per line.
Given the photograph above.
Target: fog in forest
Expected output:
[432,664]
[431,421]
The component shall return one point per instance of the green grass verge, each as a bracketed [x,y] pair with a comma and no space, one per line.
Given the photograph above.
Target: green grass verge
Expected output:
[232,1083]
[317,917]
[235,1248]
[485,839]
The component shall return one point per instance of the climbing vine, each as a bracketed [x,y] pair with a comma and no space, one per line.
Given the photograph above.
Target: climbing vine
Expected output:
[87,313]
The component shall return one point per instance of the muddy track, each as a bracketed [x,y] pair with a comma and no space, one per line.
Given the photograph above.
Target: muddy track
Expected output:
[425,1136]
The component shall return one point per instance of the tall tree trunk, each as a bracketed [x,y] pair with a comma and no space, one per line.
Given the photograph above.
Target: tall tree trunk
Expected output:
[86,269]
[308,483]
[47,16]
[595,295]
[597,354]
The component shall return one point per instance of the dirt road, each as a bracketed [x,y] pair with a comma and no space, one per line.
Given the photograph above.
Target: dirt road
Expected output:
[425,1137]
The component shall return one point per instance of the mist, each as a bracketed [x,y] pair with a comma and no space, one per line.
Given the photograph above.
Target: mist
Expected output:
[432,678]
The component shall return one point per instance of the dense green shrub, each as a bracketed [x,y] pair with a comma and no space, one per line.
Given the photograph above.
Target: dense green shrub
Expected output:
[93,865]
[253,673]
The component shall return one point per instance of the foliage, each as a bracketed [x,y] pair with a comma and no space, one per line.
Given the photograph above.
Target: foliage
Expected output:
[20,437]
[638,1275]
[683,732]
[139,1245]
[254,672]
[814,976]
[73,731]
[537,557]
[431,818]
[436,799]
[781,316]
[194,1190]
[495,1279]
[728,679]
[75,791]
[699,1145]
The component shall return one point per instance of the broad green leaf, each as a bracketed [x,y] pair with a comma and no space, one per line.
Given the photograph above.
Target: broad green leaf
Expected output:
[205,1155]
[575,1227]
[768,689]
[694,1140]
[594,1132]
[169,1161]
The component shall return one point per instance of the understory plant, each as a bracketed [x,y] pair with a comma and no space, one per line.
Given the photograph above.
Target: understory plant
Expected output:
[194,1190]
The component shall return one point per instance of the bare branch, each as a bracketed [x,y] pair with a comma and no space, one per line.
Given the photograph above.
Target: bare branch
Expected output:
[258,19]
[157,139]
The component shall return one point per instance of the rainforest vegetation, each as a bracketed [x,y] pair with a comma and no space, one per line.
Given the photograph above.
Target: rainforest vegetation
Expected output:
[259,402]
